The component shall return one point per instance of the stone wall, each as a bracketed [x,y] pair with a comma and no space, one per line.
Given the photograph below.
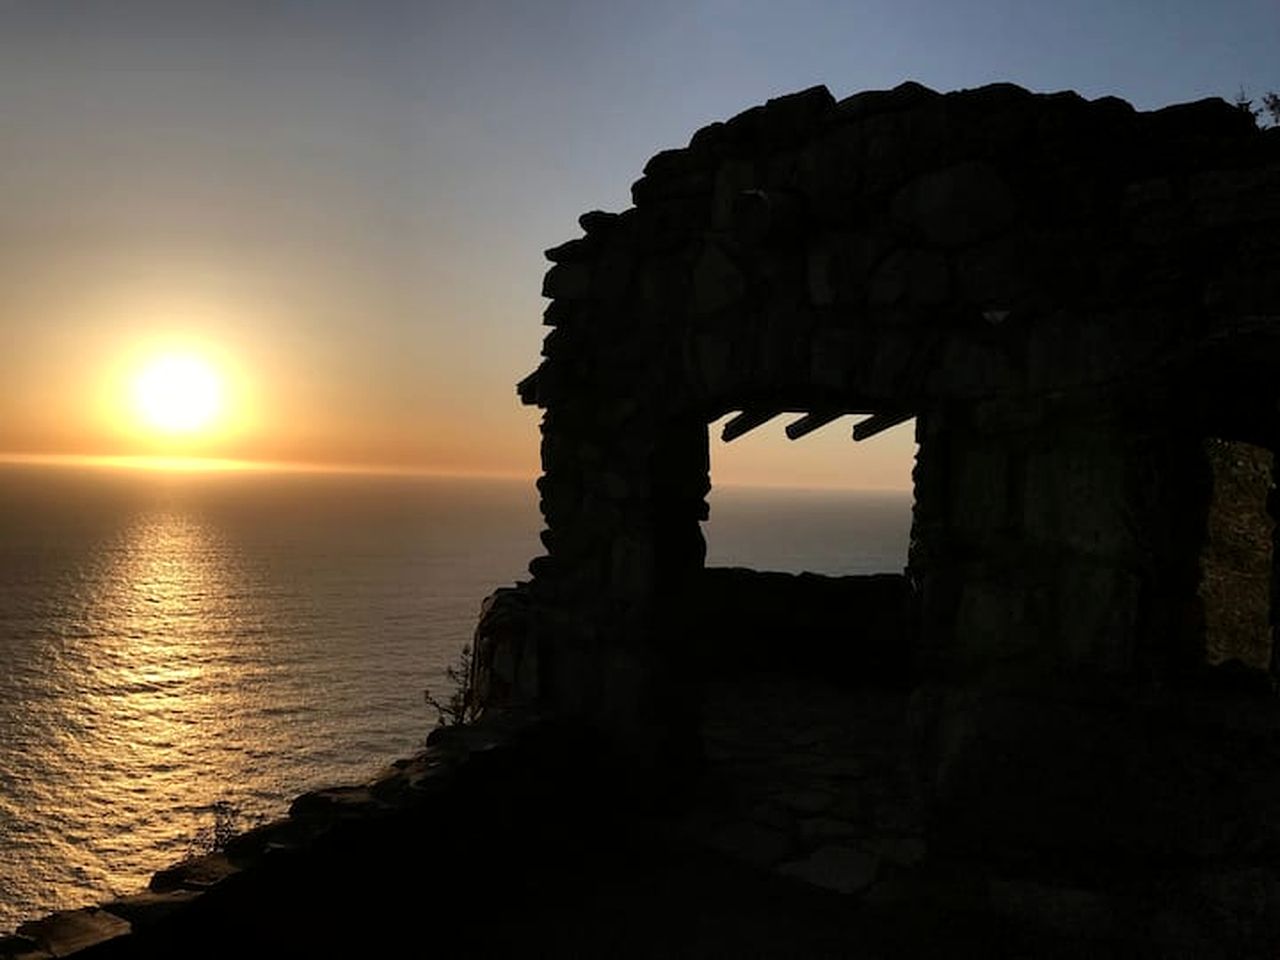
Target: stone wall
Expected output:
[850,631]
[1068,294]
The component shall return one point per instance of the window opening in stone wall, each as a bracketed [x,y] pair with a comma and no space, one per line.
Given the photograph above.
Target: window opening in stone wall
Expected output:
[822,503]
[806,549]
[1236,560]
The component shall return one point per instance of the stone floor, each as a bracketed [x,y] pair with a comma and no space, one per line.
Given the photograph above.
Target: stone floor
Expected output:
[808,781]
[802,840]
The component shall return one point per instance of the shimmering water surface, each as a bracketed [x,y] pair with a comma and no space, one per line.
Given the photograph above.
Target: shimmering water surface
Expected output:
[170,641]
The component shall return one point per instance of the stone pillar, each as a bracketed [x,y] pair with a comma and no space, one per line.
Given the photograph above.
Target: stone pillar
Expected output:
[1061,546]
[623,494]
[1057,569]
[680,471]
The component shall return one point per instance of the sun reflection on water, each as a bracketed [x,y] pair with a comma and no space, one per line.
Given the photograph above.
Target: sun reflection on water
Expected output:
[170,642]
[150,689]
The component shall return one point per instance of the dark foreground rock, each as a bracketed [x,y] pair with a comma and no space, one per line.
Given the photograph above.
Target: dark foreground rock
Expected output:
[800,837]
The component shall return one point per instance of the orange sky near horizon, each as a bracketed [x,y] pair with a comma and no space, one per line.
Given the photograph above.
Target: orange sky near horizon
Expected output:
[343,206]
[76,404]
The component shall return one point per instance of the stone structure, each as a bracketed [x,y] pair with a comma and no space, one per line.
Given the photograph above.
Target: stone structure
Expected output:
[1071,297]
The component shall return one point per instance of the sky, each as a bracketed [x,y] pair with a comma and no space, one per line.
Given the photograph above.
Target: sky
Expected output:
[342,206]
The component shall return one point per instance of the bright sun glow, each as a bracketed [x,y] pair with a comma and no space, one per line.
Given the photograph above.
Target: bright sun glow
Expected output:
[178,393]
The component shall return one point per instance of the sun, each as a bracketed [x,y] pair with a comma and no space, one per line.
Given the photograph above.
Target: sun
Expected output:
[178,393]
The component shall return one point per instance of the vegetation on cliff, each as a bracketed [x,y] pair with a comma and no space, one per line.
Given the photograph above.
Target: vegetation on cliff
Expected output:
[460,704]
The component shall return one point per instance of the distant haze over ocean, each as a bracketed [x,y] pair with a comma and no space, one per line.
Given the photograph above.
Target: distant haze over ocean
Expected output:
[169,641]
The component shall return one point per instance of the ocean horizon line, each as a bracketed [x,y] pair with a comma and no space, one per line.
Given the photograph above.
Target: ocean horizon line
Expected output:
[181,464]
[229,465]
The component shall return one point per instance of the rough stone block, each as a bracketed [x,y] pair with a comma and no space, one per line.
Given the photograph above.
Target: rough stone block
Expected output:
[801,111]
[819,266]
[1068,351]
[713,358]
[996,275]
[1098,615]
[838,768]
[611,277]
[22,948]
[806,802]
[959,205]
[820,830]
[335,803]
[981,492]
[1054,910]
[631,567]
[650,191]
[1235,197]
[147,908]
[899,851]
[252,844]
[973,368]
[569,281]
[1074,496]
[198,873]
[842,869]
[718,282]
[901,97]
[664,284]
[708,139]
[994,621]
[889,367]
[831,358]
[598,222]
[672,162]
[920,277]
[890,281]
[571,251]
[66,932]
[733,177]
[758,845]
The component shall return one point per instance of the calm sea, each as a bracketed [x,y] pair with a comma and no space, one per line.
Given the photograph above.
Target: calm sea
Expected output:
[172,641]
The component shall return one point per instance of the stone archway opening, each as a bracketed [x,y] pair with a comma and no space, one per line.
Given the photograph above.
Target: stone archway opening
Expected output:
[821,503]
[806,582]
[801,618]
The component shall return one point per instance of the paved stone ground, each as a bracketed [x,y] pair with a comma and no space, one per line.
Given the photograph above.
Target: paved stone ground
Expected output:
[802,840]
[808,780]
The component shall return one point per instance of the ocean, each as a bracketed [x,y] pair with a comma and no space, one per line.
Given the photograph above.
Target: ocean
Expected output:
[173,645]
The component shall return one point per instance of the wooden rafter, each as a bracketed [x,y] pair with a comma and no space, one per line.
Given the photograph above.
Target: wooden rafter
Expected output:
[811,422]
[746,421]
[877,423]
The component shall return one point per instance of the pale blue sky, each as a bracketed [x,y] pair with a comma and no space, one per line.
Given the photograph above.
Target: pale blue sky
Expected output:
[349,200]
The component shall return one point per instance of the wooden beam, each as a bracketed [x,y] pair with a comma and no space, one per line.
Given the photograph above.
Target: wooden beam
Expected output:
[811,422]
[746,421]
[877,423]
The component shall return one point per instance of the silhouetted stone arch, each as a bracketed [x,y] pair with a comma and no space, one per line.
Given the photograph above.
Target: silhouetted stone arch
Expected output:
[1068,295]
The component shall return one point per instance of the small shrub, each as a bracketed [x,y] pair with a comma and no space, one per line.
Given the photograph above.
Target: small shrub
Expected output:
[213,837]
[460,705]
[1266,115]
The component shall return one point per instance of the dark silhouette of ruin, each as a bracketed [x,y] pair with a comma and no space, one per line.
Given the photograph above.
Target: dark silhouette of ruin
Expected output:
[1076,301]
